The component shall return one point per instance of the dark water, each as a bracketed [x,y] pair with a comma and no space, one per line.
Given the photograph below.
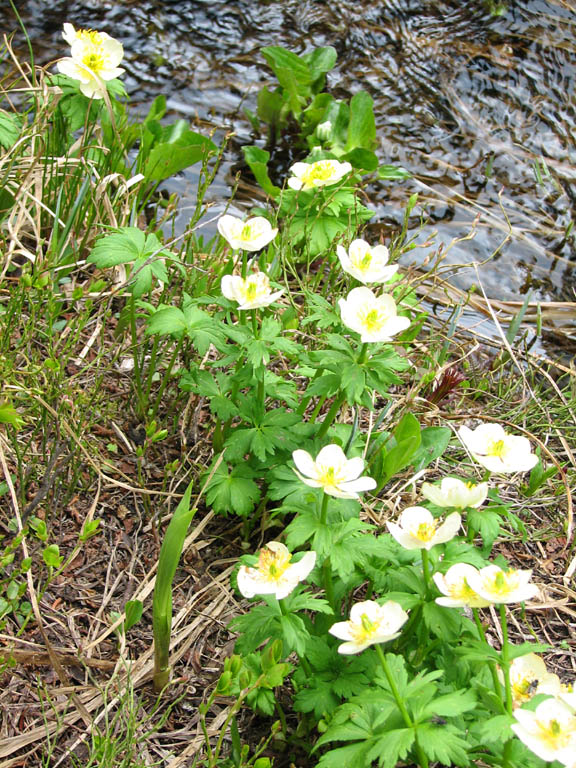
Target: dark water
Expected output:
[480,108]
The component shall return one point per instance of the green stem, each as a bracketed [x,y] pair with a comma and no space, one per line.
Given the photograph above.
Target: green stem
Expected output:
[260,384]
[306,399]
[324,509]
[137,372]
[317,409]
[505,654]
[363,353]
[491,664]
[331,415]
[166,377]
[426,570]
[422,759]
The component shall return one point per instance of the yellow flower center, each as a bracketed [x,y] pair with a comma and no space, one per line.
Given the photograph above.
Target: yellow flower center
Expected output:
[373,320]
[503,583]
[89,36]
[94,61]
[425,531]
[554,735]
[470,485]
[364,630]
[496,448]
[320,171]
[363,263]
[248,233]
[329,477]
[272,565]
[461,591]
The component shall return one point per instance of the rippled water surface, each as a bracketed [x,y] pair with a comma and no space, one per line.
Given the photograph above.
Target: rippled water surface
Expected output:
[480,108]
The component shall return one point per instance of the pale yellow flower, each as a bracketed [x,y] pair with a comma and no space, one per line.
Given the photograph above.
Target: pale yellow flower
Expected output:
[369,623]
[498,451]
[455,493]
[251,292]
[417,528]
[250,235]
[94,59]
[529,676]
[549,731]
[455,588]
[275,573]
[322,173]
[375,318]
[498,586]
[368,264]
[333,472]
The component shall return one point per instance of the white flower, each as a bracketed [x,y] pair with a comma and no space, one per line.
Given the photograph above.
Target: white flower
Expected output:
[529,676]
[455,493]
[373,317]
[324,130]
[498,586]
[275,574]
[319,174]
[369,623]
[366,264]
[333,472]
[549,731]
[498,451]
[417,529]
[454,585]
[250,235]
[94,59]
[251,292]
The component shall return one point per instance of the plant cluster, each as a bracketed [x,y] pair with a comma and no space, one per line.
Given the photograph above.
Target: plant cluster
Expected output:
[298,335]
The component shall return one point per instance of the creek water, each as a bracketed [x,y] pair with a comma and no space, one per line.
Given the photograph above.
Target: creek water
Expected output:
[474,97]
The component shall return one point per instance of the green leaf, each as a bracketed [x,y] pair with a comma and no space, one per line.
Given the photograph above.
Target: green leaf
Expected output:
[167,320]
[292,73]
[9,415]
[392,747]
[451,704]
[434,441]
[233,490]
[258,160]
[51,556]
[133,610]
[320,61]
[444,623]
[353,381]
[361,159]
[362,126]
[169,158]
[10,128]
[496,730]
[393,172]
[444,744]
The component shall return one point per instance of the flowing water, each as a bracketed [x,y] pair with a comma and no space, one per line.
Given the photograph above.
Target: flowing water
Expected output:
[479,107]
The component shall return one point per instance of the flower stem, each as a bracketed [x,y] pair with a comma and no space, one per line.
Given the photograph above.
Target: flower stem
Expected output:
[505,656]
[422,759]
[363,353]
[491,664]
[331,415]
[426,570]
[324,509]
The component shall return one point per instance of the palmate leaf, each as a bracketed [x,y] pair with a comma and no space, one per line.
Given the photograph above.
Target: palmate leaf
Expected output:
[444,744]
[233,490]
[129,245]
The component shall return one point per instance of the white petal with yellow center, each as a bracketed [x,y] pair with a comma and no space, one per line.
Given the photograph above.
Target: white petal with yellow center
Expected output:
[333,472]
[375,318]
[417,528]
[500,587]
[496,450]
[455,493]
[365,263]
[369,623]
[251,292]
[275,573]
[251,235]
[322,173]
[549,731]
[456,589]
